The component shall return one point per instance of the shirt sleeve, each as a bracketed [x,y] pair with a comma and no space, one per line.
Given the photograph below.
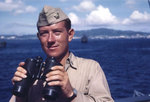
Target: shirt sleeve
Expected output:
[17,99]
[13,99]
[98,89]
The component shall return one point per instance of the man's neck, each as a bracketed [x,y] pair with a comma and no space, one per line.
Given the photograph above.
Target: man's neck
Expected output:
[63,59]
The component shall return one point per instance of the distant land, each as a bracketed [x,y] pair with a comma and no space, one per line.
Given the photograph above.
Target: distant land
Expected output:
[105,31]
[100,33]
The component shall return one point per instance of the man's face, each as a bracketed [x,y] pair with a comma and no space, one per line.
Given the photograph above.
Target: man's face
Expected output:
[54,39]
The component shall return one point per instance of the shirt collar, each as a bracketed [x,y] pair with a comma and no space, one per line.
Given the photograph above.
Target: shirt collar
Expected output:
[71,62]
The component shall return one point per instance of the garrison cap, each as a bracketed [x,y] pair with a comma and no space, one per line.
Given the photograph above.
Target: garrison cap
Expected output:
[50,15]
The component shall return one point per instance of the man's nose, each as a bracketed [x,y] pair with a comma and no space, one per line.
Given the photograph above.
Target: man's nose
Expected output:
[51,37]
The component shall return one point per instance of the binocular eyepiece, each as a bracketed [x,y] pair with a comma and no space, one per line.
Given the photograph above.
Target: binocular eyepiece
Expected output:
[34,70]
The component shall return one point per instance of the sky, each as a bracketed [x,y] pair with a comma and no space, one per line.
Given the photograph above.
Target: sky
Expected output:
[20,16]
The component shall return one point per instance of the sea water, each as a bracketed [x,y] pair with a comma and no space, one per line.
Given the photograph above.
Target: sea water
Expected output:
[126,62]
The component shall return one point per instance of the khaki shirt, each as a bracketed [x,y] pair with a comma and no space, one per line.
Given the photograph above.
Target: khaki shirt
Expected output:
[85,75]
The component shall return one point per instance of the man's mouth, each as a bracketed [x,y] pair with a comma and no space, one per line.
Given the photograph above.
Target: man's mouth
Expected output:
[52,47]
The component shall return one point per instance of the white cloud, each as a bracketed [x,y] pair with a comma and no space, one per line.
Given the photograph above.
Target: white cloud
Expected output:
[8,6]
[30,9]
[101,16]
[85,6]
[137,18]
[19,11]
[16,7]
[136,15]
[74,18]
[18,28]
[63,0]
[130,2]
[8,1]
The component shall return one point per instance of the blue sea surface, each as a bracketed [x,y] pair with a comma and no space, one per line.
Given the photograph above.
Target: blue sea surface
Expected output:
[126,62]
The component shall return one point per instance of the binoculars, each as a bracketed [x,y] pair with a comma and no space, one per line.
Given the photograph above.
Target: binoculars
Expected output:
[34,67]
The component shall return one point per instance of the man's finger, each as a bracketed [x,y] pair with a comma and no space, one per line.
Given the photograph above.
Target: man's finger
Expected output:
[55,72]
[20,74]
[20,69]
[54,78]
[61,68]
[21,63]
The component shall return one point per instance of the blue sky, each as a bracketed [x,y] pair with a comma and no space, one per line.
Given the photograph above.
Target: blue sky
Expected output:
[20,16]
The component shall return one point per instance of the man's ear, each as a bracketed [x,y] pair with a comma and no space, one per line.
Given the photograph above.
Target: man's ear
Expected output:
[71,34]
[38,35]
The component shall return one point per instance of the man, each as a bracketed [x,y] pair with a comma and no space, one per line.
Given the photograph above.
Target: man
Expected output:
[81,80]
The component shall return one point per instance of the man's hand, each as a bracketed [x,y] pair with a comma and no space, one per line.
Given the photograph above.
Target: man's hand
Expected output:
[20,73]
[59,77]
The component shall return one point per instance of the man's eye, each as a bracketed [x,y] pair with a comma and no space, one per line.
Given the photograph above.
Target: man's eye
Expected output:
[43,33]
[57,32]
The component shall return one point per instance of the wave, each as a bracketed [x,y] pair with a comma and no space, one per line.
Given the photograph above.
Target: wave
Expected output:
[24,37]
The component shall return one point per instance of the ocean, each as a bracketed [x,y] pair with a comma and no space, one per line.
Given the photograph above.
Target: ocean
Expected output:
[125,61]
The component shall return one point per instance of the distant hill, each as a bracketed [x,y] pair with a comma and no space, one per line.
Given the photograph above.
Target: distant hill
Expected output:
[111,32]
[103,33]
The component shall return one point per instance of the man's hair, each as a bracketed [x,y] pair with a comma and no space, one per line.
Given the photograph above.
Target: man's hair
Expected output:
[67,24]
